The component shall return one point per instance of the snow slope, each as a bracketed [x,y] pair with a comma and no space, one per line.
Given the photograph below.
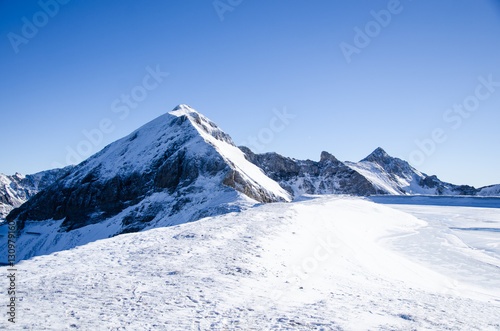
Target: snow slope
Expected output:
[492,190]
[381,179]
[232,154]
[332,263]
[395,176]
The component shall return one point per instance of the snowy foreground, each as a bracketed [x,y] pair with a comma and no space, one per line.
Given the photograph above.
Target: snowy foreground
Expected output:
[331,263]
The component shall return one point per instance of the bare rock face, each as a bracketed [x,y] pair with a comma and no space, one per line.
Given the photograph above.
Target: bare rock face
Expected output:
[235,180]
[443,188]
[17,189]
[180,170]
[378,173]
[328,176]
[87,203]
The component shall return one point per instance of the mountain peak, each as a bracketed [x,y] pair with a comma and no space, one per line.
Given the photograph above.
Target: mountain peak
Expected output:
[159,171]
[182,109]
[377,154]
[201,123]
[325,156]
[380,151]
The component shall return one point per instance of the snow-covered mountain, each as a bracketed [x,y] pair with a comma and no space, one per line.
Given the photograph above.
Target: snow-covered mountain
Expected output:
[378,173]
[177,168]
[17,189]
[328,176]
[492,190]
[396,176]
[320,262]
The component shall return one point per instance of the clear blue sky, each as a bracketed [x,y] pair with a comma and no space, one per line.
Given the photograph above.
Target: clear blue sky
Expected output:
[236,64]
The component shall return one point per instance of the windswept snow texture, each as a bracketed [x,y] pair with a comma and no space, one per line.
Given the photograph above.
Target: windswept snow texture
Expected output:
[330,263]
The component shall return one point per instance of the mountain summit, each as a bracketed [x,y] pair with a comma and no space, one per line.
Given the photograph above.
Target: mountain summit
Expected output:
[392,175]
[178,168]
[378,155]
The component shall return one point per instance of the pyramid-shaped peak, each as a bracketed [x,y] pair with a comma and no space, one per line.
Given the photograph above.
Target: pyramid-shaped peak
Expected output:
[380,151]
[183,109]
[201,123]
[325,156]
[198,118]
[377,154]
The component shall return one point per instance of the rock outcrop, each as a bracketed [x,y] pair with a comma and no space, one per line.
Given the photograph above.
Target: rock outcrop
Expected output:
[17,189]
[328,176]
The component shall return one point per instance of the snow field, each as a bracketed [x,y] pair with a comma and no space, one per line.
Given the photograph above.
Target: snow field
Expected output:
[332,263]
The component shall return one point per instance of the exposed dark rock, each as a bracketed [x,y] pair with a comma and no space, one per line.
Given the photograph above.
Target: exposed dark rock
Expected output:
[328,176]
[234,180]
[83,204]
[17,189]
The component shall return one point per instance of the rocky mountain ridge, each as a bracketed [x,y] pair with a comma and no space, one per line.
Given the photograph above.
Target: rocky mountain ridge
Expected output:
[328,176]
[377,174]
[18,188]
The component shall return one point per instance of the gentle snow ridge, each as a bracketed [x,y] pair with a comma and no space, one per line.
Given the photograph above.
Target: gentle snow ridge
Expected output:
[331,263]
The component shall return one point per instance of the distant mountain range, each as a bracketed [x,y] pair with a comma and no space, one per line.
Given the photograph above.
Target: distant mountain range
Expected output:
[179,168]
[17,189]
[376,174]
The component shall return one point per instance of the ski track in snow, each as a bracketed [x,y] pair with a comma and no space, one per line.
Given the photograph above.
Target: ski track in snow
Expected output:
[331,263]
